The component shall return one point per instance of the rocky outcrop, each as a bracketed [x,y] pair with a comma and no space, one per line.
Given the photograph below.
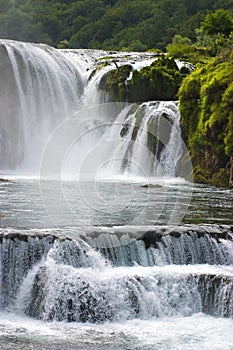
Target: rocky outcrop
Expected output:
[159,81]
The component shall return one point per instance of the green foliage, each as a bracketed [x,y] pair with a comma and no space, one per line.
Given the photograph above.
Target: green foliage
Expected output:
[206,106]
[189,98]
[135,45]
[216,22]
[216,31]
[160,81]
[63,44]
[214,34]
[106,24]
[181,47]
[114,83]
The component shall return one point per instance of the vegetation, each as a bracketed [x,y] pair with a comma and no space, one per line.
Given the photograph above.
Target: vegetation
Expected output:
[205,95]
[197,31]
[160,81]
[214,34]
[206,100]
[114,82]
[206,106]
[134,25]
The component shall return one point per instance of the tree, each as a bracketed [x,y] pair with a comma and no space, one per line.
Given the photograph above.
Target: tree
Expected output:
[180,47]
[220,21]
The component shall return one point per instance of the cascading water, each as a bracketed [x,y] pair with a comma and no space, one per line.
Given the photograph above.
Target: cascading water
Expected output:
[53,278]
[149,135]
[47,91]
[39,89]
[121,262]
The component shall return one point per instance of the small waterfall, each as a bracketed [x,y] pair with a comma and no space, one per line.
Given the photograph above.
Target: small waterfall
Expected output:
[54,278]
[140,162]
[150,142]
[19,253]
[63,293]
[216,294]
[161,246]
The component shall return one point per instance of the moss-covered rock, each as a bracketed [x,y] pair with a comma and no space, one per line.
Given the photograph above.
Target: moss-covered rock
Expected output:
[160,81]
[98,68]
[206,107]
[114,82]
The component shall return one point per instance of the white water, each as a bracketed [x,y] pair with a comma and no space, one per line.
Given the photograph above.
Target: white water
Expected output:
[126,307]
[186,333]
[56,123]
[104,288]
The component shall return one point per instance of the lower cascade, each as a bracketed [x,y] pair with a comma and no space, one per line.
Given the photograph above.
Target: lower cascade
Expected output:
[117,276]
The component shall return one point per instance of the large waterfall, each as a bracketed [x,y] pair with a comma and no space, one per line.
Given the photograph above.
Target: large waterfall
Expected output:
[53,113]
[105,242]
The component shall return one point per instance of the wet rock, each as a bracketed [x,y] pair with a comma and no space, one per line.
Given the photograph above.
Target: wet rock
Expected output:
[151,186]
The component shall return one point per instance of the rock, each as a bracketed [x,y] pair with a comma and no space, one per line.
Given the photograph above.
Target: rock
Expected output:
[151,185]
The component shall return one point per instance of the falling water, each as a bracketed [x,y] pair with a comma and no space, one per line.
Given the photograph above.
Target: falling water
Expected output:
[54,278]
[51,107]
[103,264]
[43,88]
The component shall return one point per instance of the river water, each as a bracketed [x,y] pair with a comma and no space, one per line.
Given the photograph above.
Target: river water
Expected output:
[30,203]
[98,208]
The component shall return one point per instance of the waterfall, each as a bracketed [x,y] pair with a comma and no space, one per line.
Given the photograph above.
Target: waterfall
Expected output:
[39,89]
[83,295]
[56,278]
[110,258]
[161,246]
[18,255]
[149,135]
[52,113]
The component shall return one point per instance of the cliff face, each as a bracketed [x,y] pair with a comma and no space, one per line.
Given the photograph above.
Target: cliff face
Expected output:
[206,107]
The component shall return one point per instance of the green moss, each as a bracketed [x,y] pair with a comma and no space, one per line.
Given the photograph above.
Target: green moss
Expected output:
[103,58]
[114,82]
[221,178]
[155,51]
[160,81]
[206,107]
[97,69]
